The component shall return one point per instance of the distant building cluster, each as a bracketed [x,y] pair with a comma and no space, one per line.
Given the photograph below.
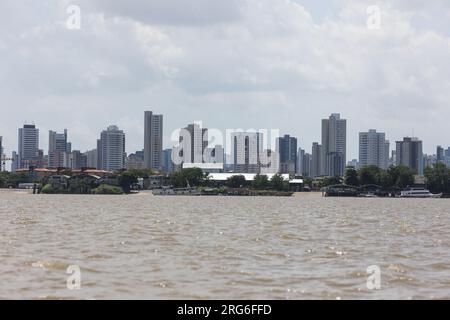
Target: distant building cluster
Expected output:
[246,152]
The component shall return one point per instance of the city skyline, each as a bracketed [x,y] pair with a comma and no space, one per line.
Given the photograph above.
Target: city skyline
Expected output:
[329,161]
[213,64]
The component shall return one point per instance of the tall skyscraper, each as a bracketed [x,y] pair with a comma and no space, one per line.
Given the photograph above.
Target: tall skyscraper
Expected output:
[28,152]
[246,150]
[303,163]
[112,146]
[409,153]
[78,160]
[300,155]
[153,140]
[306,165]
[440,156]
[91,158]
[316,160]
[57,147]
[373,149]
[447,153]
[193,142]
[135,160]
[334,146]
[168,166]
[287,149]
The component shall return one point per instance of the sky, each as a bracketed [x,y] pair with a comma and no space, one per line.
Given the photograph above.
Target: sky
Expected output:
[263,64]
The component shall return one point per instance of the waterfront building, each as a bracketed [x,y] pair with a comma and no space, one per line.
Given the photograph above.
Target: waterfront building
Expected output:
[409,153]
[91,158]
[306,165]
[14,162]
[57,147]
[28,153]
[440,155]
[112,145]
[300,155]
[334,146]
[303,163]
[373,149]
[78,160]
[316,160]
[270,162]
[135,161]
[153,140]
[168,166]
[287,150]
[246,150]
[193,143]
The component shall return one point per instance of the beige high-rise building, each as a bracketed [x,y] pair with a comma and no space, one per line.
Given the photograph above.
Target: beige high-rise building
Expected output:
[334,146]
[153,140]
[373,149]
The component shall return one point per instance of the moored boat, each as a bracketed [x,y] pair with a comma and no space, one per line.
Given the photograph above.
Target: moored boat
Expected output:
[169,191]
[419,193]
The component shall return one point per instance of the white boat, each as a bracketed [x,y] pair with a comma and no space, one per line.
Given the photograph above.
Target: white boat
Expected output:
[419,193]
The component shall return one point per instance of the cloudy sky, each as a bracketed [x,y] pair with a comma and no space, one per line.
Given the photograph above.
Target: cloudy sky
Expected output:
[232,64]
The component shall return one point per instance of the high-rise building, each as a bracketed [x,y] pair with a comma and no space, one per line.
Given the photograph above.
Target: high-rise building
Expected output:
[334,146]
[135,161]
[447,153]
[300,155]
[168,166]
[57,147]
[246,150]
[287,149]
[91,158]
[373,149]
[214,155]
[269,162]
[440,155]
[112,146]
[316,160]
[78,160]
[153,140]
[303,163]
[193,143]
[307,165]
[14,162]
[28,152]
[409,153]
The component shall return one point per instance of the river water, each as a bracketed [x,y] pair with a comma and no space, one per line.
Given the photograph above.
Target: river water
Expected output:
[146,247]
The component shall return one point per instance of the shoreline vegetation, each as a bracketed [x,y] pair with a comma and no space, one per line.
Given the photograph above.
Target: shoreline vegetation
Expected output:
[369,179]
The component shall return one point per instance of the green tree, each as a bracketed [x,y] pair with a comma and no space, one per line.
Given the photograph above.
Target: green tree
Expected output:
[126,180]
[405,177]
[351,177]
[331,181]
[260,182]
[277,182]
[142,173]
[236,181]
[438,178]
[369,175]
[194,176]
